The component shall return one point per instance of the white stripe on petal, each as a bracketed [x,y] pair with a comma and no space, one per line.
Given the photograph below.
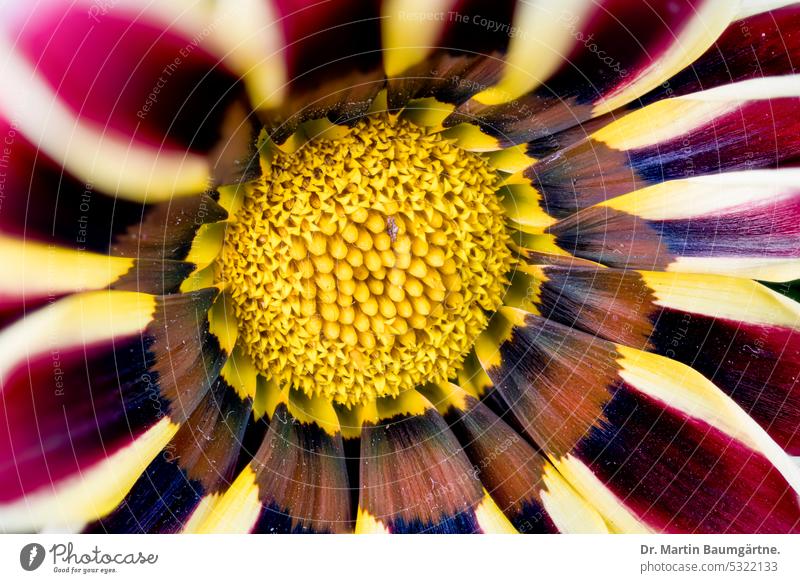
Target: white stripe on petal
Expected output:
[107,162]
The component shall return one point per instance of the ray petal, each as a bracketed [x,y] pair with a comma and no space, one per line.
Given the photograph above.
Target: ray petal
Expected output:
[93,387]
[743,126]
[190,473]
[414,477]
[297,481]
[738,333]
[738,223]
[652,443]
[612,52]
[520,479]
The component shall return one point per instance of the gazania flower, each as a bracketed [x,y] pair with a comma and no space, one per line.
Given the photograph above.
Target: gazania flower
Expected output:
[455,266]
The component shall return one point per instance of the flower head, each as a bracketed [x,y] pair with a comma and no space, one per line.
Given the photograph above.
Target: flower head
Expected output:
[462,266]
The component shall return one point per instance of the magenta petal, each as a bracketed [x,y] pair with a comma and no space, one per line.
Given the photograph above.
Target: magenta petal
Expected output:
[73,429]
[323,39]
[43,204]
[69,404]
[478,27]
[633,36]
[761,45]
[759,133]
[39,200]
[127,74]
[614,47]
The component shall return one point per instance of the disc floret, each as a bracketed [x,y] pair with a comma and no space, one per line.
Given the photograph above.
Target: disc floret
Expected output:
[367,265]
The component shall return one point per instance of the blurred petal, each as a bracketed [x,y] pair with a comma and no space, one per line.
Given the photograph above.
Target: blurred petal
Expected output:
[291,47]
[174,91]
[44,205]
[35,273]
[107,160]
[754,7]
[41,201]
[332,54]
[538,33]
[94,386]
[410,30]
[620,50]
[249,35]
[463,55]
[141,135]
[325,39]
[652,443]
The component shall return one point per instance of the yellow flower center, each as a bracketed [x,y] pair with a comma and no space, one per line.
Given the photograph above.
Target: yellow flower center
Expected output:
[367,265]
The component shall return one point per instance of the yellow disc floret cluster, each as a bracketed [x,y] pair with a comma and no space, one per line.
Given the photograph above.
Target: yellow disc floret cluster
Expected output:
[367,265]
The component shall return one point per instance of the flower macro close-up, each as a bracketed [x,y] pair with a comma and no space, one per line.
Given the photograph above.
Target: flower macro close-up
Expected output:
[455,266]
